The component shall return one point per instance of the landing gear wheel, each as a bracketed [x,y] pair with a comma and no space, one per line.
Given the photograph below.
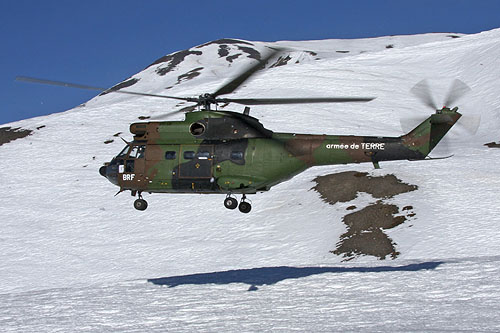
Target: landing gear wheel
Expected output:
[245,207]
[140,204]
[230,203]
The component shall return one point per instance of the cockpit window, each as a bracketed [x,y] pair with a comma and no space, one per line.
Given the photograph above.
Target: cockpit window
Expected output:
[137,151]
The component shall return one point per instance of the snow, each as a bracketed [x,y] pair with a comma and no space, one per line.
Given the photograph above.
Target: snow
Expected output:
[75,258]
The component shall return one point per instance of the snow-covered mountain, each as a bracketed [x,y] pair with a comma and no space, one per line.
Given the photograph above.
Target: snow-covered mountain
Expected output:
[75,258]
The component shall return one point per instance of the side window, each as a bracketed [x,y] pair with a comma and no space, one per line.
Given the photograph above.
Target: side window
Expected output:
[237,155]
[188,155]
[170,155]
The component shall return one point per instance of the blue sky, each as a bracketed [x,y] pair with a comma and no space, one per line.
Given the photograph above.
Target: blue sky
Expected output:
[103,42]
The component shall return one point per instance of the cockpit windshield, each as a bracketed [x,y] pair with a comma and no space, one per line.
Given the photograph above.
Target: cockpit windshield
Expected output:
[124,152]
[133,152]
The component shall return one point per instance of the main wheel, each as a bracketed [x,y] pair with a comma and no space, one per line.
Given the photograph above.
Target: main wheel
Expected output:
[245,207]
[230,203]
[140,204]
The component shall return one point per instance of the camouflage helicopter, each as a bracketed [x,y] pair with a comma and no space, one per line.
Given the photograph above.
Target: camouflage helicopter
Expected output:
[225,152]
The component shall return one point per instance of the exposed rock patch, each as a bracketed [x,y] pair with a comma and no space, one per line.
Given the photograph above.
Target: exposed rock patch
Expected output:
[223,51]
[344,186]
[252,53]
[233,57]
[8,134]
[189,75]
[173,60]
[281,61]
[492,145]
[365,227]
[365,236]
[225,41]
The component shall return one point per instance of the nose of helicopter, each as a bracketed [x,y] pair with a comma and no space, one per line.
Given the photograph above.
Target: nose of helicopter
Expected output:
[108,172]
[102,171]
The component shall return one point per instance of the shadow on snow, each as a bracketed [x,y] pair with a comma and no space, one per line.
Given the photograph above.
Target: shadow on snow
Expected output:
[271,275]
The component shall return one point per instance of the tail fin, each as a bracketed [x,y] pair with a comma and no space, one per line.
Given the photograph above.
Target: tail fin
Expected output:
[427,135]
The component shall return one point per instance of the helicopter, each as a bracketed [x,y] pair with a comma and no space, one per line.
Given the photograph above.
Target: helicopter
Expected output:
[213,151]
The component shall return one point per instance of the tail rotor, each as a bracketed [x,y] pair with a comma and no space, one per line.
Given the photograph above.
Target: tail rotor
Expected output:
[458,89]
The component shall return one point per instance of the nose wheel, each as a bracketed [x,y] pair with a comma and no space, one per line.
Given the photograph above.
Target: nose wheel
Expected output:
[140,204]
[232,203]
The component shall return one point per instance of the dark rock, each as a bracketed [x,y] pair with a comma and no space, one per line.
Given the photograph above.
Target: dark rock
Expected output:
[281,61]
[233,57]
[223,50]
[8,134]
[492,145]
[225,41]
[189,75]
[173,59]
[252,53]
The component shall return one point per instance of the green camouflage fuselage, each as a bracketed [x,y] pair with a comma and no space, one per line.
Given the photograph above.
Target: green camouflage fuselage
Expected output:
[228,152]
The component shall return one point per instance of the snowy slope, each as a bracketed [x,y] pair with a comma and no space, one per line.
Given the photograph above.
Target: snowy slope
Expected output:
[73,257]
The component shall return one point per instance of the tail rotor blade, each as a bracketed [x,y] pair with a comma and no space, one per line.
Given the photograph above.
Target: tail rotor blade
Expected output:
[422,91]
[457,90]
[470,123]
[408,124]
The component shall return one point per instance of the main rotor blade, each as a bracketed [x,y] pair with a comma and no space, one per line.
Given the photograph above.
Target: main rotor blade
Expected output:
[231,86]
[457,90]
[58,83]
[81,86]
[422,91]
[263,101]
[165,115]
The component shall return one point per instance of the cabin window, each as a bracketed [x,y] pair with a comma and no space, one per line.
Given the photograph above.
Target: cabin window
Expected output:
[189,155]
[197,129]
[203,155]
[170,155]
[237,155]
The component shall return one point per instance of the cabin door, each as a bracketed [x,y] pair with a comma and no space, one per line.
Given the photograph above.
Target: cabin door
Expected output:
[196,161]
